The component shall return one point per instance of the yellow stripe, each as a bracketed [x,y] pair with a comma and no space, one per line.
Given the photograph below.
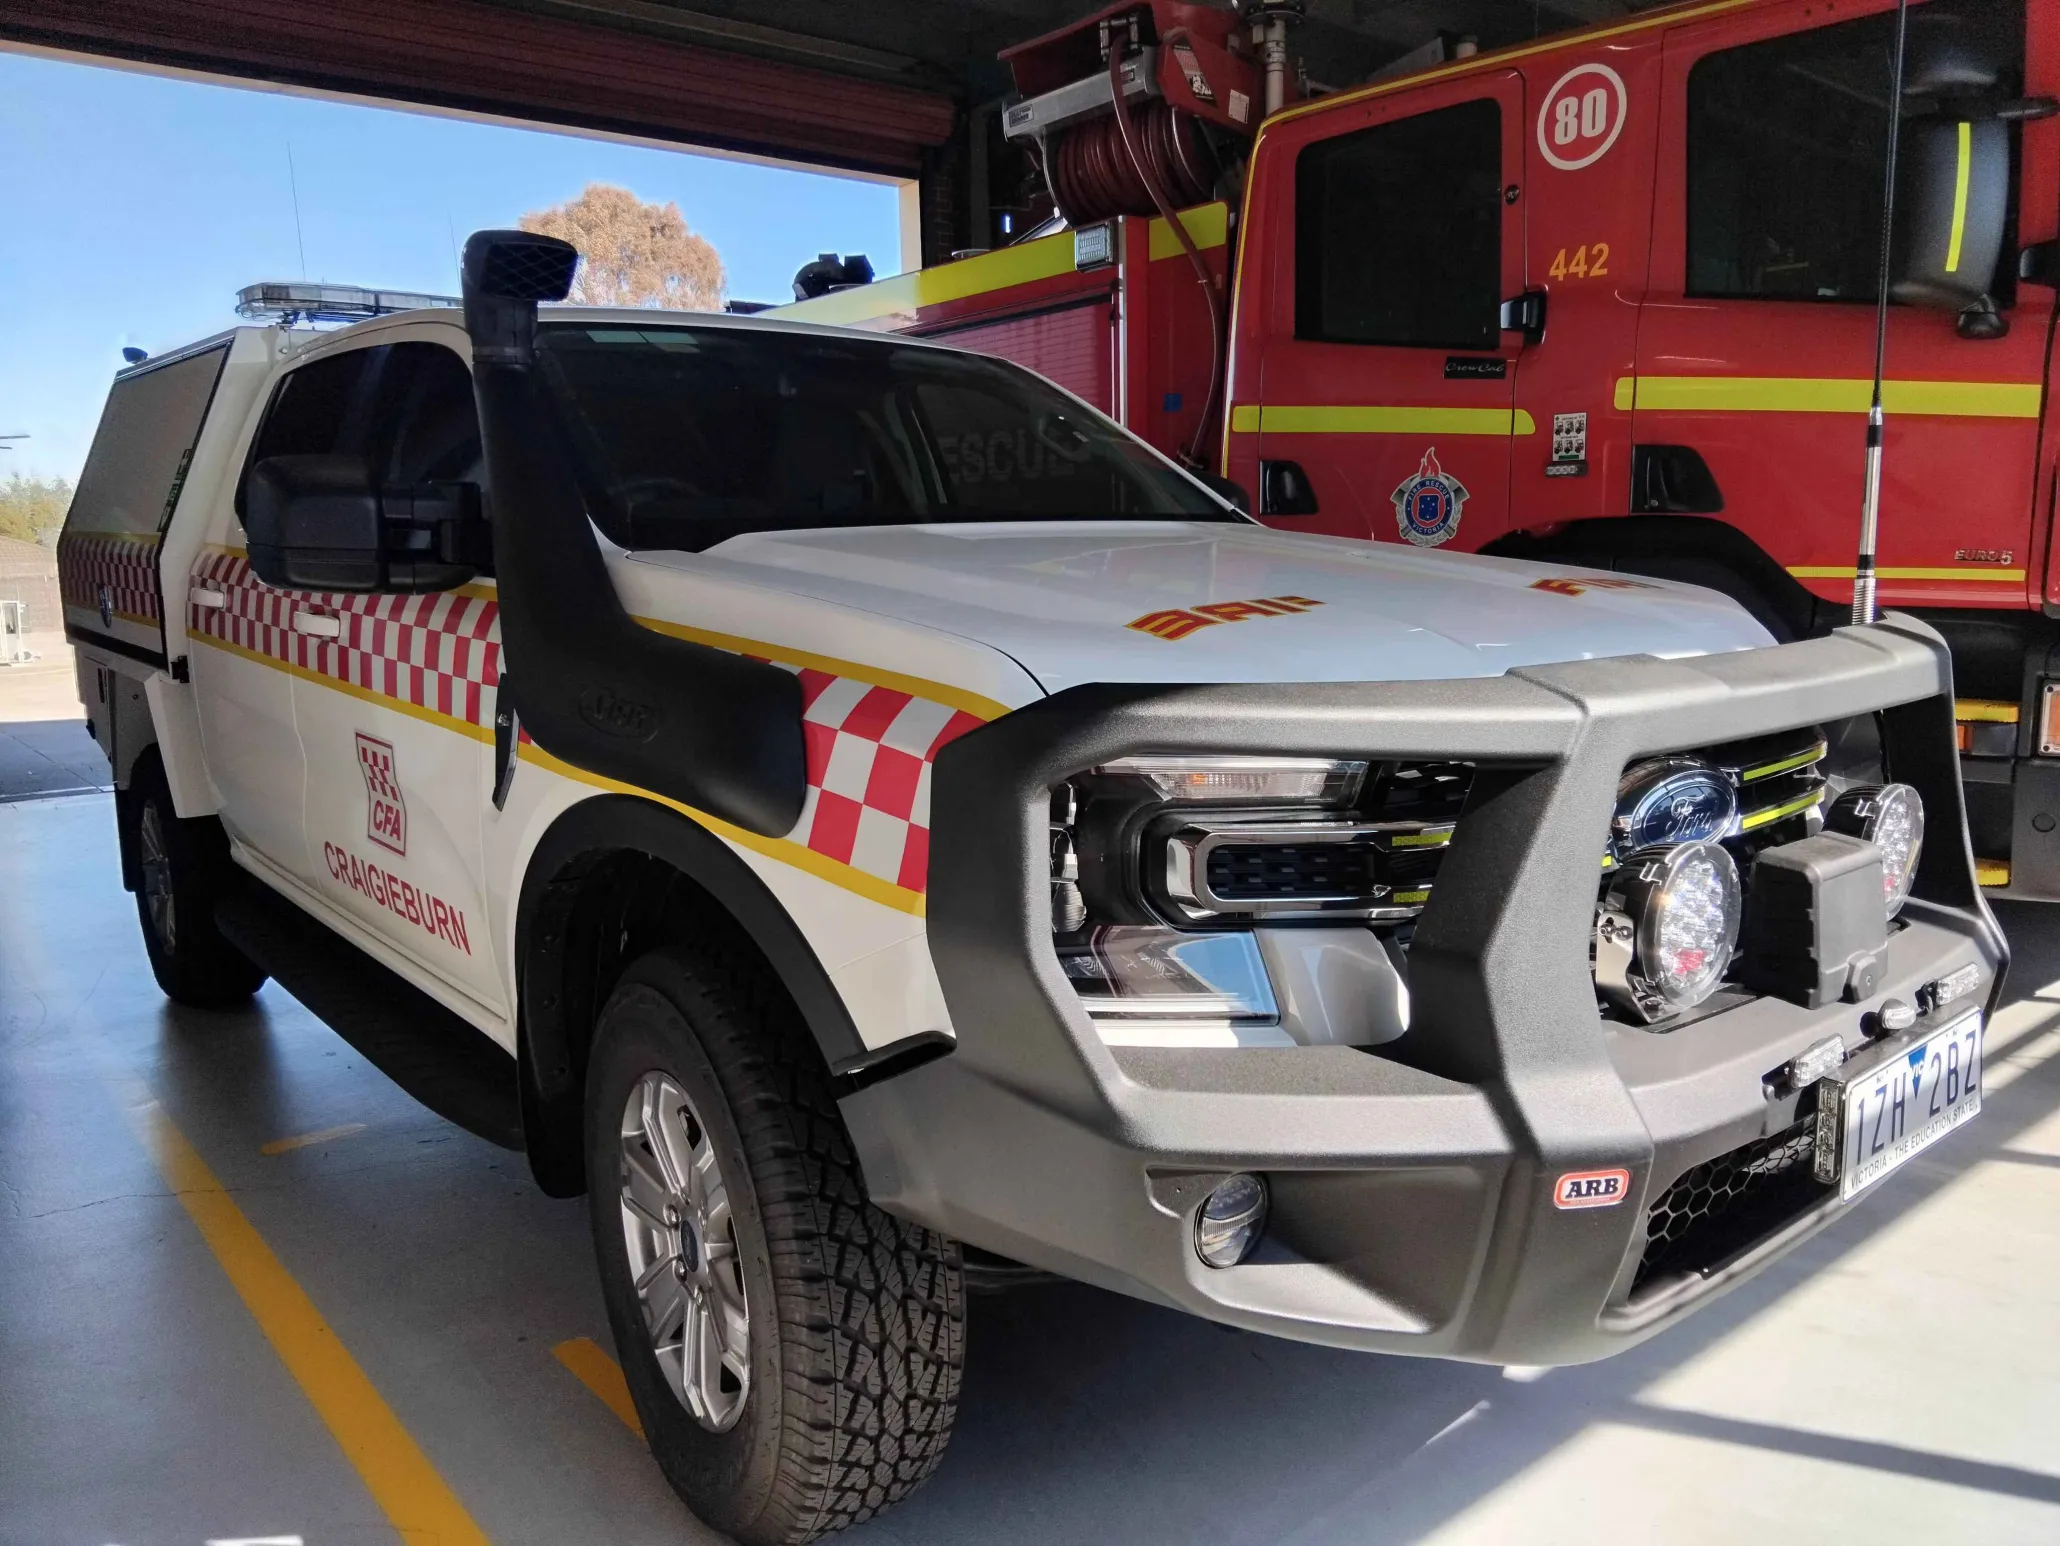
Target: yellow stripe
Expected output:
[1960,196]
[915,686]
[1980,576]
[1379,419]
[1984,711]
[940,692]
[393,1468]
[309,1140]
[1814,753]
[1773,813]
[1046,258]
[349,689]
[1992,872]
[800,856]
[1502,57]
[1208,225]
[601,1374]
[1828,394]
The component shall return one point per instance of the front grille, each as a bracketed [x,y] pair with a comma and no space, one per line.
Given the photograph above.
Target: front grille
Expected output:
[1726,1205]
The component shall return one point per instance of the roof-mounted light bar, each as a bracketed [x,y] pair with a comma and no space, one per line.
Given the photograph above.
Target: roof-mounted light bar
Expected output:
[291,301]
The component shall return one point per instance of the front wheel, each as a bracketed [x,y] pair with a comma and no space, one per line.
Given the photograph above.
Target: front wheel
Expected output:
[180,868]
[794,1352]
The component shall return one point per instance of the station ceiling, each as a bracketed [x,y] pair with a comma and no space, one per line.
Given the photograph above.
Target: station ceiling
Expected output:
[874,87]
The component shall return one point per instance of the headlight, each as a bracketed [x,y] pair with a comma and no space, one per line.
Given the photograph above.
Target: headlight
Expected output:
[1891,817]
[1667,929]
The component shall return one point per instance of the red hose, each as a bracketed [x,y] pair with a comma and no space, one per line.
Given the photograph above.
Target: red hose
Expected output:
[1147,168]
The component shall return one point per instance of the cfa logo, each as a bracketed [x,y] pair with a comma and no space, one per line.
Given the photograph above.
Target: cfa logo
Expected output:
[1591,1189]
[1176,623]
[386,813]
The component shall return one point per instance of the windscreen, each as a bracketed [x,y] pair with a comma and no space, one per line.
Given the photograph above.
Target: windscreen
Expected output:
[688,436]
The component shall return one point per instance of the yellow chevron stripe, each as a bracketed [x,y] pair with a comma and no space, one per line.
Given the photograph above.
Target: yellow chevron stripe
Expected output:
[1379,419]
[1828,394]
[1049,256]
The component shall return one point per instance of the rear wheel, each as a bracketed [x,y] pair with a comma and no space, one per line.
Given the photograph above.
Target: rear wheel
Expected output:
[794,1352]
[181,868]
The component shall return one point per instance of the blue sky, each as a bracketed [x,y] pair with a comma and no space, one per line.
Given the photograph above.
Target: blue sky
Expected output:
[132,208]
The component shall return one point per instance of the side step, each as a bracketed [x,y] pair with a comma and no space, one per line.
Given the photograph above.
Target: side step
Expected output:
[449,1066]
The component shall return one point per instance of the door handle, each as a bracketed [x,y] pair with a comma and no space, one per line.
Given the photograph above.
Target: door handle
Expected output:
[1525,314]
[317,623]
[205,596]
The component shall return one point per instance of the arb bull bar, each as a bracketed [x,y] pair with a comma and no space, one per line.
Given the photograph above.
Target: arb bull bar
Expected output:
[1412,1185]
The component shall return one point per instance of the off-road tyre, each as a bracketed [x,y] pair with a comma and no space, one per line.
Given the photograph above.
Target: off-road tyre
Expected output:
[181,868]
[857,1319]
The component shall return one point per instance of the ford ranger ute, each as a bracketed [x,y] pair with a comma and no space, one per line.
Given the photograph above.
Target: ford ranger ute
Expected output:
[871,824]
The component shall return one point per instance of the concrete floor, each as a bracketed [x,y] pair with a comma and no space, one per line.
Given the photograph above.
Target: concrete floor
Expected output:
[44,745]
[1896,1380]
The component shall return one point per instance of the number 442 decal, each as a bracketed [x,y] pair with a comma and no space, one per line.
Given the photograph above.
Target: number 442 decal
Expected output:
[1588,262]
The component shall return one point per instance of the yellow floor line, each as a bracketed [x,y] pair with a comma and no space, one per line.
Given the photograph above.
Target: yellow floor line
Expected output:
[309,1140]
[601,1374]
[407,1488]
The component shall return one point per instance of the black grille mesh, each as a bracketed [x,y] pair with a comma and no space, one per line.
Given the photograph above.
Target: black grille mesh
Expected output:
[1266,872]
[1724,1205]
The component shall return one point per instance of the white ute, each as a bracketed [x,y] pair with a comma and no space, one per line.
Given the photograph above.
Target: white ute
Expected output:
[871,824]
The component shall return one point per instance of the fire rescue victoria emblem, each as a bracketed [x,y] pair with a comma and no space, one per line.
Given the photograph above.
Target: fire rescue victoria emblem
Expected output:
[1428,504]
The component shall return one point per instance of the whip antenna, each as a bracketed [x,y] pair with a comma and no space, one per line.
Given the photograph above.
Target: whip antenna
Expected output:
[1870,504]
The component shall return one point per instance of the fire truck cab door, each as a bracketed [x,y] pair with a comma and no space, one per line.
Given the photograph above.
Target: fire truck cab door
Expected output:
[1386,379]
[1756,338]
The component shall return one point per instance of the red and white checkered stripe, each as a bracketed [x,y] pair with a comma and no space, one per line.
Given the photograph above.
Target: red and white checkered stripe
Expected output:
[870,751]
[126,565]
[439,651]
[870,748]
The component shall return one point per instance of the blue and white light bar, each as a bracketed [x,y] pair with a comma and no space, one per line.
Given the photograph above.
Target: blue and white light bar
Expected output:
[292,301]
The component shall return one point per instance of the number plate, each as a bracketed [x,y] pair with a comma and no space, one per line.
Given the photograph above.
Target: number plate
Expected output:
[1869,1122]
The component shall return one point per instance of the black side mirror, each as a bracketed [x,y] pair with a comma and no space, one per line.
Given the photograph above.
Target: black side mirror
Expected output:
[1953,187]
[1224,488]
[319,523]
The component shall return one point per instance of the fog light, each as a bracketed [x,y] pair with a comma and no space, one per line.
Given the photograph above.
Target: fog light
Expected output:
[1228,1226]
[1667,929]
[1891,817]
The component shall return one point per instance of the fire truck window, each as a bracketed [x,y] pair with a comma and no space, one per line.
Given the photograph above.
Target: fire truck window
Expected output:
[1398,232]
[1786,140]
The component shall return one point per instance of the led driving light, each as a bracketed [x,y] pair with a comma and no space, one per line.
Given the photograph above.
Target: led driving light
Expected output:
[1667,929]
[1891,817]
[1230,1221]
[1208,780]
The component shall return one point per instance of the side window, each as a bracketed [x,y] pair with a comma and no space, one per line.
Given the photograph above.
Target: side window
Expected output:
[318,410]
[1398,232]
[1786,140]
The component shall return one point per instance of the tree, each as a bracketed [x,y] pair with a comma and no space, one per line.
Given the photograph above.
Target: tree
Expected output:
[632,253]
[33,508]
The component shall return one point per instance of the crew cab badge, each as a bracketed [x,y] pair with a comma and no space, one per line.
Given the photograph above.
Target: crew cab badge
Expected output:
[1591,1189]
[386,812]
[1428,504]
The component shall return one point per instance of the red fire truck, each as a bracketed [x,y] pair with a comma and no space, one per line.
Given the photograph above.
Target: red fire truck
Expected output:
[1606,297]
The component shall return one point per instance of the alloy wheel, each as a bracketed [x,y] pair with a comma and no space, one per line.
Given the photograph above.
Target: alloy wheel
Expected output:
[682,1246]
